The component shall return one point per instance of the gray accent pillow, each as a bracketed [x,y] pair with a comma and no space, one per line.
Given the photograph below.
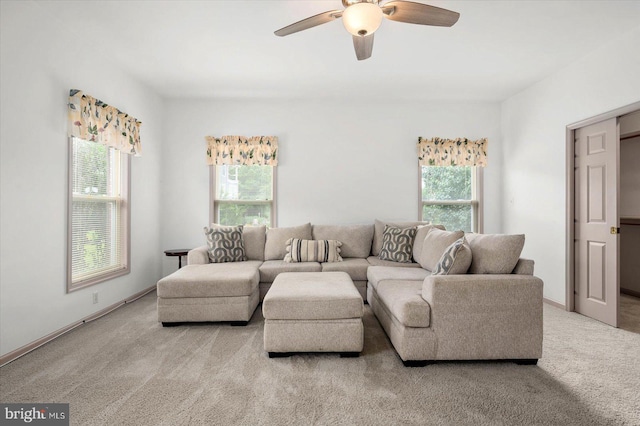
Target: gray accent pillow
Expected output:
[225,244]
[356,239]
[397,244]
[254,238]
[455,260]
[434,245]
[379,229]
[312,251]
[421,234]
[495,253]
[275,247]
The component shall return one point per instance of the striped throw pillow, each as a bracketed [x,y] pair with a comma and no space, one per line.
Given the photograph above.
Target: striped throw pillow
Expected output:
[299,250]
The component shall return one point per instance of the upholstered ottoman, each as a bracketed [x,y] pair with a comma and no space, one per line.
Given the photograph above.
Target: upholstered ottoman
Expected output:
[209,292]
[313,312]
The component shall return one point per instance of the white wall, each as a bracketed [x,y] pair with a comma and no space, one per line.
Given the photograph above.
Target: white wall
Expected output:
[339,162]
[41,59]
[533,135]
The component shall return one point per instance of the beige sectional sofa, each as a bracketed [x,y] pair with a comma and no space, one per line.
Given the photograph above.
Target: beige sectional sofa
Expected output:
[471,316]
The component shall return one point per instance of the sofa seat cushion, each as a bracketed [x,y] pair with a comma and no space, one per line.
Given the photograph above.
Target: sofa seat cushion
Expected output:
[271,268]
[211,280]
[378,274]
[376,261]
[312,296]
[356,268]
[403,299]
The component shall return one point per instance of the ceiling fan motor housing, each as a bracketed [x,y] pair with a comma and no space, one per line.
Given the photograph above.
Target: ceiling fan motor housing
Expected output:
[347,3]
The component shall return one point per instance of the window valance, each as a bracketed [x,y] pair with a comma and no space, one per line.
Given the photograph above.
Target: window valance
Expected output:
[452,152]
[240,150]
[93,120]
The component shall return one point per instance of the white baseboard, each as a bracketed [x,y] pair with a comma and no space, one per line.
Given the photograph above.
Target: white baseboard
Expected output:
[554,303]
[15,354]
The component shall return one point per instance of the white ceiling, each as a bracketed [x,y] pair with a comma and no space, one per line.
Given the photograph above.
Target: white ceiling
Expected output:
[227,49]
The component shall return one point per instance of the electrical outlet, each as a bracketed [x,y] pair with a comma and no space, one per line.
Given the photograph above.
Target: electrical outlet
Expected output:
[95,297]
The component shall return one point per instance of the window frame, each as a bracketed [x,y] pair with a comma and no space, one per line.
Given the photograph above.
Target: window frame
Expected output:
[125,215]
[214,203]
[476,202]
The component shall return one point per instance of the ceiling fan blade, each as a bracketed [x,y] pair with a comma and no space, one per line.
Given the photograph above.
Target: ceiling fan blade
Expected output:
[363,46]
[312,21]
[418,13]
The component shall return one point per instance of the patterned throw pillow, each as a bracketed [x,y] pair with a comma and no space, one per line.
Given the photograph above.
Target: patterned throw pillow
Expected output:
[225,244]
[397,244]
[299,250]
[455,260]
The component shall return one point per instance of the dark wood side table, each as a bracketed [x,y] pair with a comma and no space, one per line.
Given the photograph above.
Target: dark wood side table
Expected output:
[179,253]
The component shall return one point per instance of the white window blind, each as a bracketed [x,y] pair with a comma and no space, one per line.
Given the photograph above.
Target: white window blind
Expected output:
[98,213]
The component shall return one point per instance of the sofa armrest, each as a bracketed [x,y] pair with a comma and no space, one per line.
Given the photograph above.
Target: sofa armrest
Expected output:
[198,256]
[524,267]
[486,316]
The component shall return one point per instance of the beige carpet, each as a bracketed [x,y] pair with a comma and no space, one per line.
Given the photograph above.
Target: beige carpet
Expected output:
[629,313]
[126,369]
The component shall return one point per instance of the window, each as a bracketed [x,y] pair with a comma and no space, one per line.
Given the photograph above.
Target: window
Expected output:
[450,196]
[98,213]
[243,195]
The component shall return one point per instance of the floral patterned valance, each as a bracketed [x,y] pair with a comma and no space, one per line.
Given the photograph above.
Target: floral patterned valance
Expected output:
[240,150]
[452,152]
[93,120]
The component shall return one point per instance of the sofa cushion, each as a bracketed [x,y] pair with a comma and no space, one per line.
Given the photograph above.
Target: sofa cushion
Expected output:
[379,230]
[312,250]
[211,280]
[377,274]
[434,245]
[397,244]
[356,268]
[494,253]
[421,234]
[356,239]
[276,241]
[270,269]
[225,244]
[312,296]
[403,299]
[376,261]
[455,260]
[254,238]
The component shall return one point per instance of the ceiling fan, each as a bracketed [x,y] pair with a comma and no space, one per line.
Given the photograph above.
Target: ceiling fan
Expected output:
[363,17]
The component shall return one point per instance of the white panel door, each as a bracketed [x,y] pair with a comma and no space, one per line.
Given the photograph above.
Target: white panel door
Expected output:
[597,241]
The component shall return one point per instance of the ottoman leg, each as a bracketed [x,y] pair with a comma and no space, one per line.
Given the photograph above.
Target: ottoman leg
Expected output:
[527,361]
[416,363]
[279,354]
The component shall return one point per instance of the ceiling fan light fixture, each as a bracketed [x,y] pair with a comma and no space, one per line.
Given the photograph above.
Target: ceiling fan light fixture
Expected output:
[362,19]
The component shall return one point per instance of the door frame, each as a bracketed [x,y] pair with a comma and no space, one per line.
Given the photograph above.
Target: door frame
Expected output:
[570,186]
